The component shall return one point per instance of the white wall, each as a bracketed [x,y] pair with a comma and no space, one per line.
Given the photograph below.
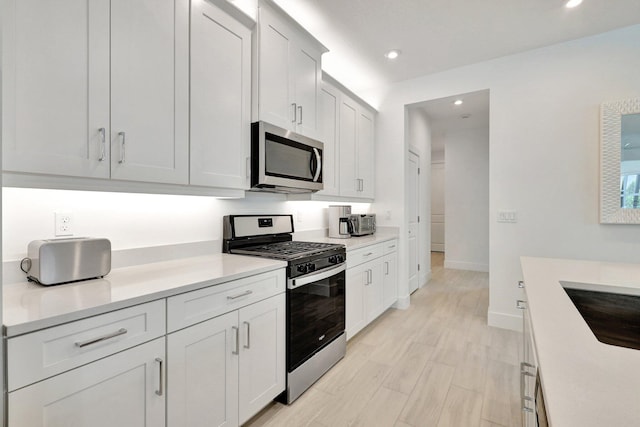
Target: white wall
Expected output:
[466,187]
[544,147]
[139,220]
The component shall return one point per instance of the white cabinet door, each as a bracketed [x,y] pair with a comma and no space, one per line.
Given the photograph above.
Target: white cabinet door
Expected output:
[390,279]
[149,90]
[356,278]
[306,75]
[374,303]
[203,374]
[262,354]
[275,90]
[366,154]
[328,112]
[126,389]
[220,98]
[349,183]
[55,84]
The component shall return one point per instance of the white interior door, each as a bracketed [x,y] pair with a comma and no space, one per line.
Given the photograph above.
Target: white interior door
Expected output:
[414,220]
[437,207]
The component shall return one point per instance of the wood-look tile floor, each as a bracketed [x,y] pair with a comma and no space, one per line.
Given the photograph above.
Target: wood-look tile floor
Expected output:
[435,364]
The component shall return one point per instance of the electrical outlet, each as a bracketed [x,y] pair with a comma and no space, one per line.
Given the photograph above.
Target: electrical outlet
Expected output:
[63,224]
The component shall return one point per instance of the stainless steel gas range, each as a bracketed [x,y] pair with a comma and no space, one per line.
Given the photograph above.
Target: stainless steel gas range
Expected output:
[316,337]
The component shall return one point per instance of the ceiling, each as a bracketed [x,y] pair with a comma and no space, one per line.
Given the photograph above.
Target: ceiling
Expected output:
[437,35]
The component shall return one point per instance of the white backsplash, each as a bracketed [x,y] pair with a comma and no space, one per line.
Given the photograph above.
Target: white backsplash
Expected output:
[134,221]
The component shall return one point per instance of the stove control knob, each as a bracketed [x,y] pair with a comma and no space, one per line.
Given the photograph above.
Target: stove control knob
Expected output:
[311,267]
[303,268]
[340,258]
[333,259]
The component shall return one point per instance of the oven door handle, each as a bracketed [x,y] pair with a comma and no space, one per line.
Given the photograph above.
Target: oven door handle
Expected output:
[305,280]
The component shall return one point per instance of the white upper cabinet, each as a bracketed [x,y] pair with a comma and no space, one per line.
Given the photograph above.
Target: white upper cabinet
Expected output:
[97,88]
[357,149]
[220,95]
[288,72]
[55,87]
[328,109]
[149,90]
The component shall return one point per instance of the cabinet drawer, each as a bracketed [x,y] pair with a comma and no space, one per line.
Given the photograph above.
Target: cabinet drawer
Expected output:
[390,246]
[41,354]
[197,306]
[365,254]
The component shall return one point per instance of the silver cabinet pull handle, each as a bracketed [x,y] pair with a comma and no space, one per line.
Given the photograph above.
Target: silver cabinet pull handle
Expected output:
[103,142]
[248,345]
[386,268]
[243,294]
[295,112]
[520,284]
[117,333]
[300,111]
[237,346]
[160,390]
[392,246]
[521,304]
[368,254]
[122,147]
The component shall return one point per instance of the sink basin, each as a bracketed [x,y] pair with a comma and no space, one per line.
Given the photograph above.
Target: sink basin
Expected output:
[613,315]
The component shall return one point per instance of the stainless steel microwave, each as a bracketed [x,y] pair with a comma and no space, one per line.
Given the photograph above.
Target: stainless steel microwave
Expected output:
[283,161]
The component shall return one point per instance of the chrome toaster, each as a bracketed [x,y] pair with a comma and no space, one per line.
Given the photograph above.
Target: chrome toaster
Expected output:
[56,261]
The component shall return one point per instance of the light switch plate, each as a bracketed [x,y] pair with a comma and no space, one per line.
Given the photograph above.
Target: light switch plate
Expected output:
[508,216]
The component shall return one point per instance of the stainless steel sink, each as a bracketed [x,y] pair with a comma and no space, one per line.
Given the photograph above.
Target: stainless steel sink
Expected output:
[612,313]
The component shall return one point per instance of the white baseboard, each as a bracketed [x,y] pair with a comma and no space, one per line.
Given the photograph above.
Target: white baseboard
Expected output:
[464,265]
[402,303]
[504,320]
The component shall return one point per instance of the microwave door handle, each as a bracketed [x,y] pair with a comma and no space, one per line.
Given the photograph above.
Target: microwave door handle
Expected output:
[316,165]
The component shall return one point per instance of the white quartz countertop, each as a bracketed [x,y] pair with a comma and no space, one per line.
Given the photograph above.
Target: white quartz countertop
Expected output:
[585,382]
[353,243]
[28,307]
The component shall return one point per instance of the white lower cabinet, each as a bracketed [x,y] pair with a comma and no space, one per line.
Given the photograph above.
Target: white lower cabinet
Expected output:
[390,274]
[203,371]
[372,284]
[226,369]
[125,389]
[210,357]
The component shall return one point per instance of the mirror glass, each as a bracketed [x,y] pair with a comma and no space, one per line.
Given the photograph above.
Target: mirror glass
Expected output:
[620,162]
[630,161]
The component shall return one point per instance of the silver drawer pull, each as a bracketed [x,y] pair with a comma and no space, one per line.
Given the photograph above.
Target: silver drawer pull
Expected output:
[103,142]
[521,304]
[391,247]
[520,284]
[160,390]
[244,294]
[117,333]
[122,136]
[368,254]
[248,345]
[237,336]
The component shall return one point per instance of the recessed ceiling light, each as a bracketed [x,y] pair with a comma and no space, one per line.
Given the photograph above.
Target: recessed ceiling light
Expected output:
[457,102]
[392,54]
[573,3]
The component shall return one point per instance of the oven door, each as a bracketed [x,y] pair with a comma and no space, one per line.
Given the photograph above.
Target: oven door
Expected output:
[315,313]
